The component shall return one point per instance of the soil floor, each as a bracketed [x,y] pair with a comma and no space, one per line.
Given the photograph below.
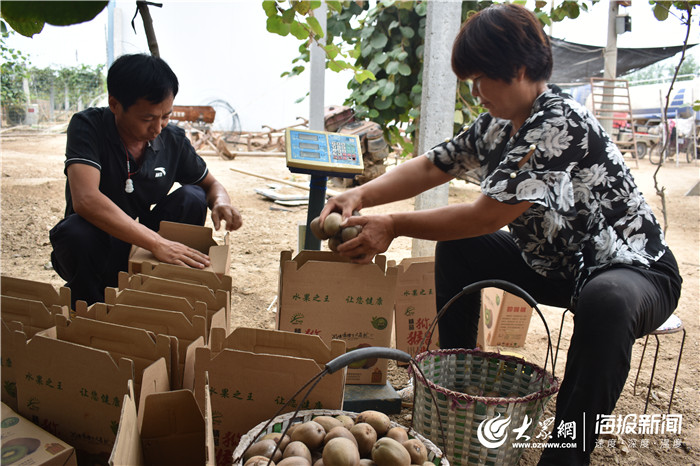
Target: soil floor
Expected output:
[32,202]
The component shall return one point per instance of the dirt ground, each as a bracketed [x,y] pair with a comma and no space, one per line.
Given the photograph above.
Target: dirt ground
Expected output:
[32,201]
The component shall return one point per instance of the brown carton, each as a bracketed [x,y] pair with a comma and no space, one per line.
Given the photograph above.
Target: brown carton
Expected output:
[9,373]
[415,305]
[172,431]
[174,324]
[72,391]
[321,293]
[34,315]
[504,319]
[24,443]
[194,236]
[215,300]
[36,291]
[121,341]
[254,372]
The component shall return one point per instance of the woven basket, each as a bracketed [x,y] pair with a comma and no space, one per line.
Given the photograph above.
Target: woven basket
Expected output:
[481,398]
[280,423]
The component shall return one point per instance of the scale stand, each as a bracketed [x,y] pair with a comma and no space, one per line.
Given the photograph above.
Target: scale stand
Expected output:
[321,154]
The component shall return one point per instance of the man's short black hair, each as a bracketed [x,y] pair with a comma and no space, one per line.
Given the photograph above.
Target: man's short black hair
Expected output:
[499,40]
[141,76]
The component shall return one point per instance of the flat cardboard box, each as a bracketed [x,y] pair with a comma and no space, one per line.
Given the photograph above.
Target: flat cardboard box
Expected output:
[35,290]
[415,308]
[215,300]
[504,319]
[172,431]
[24,443]
[174,324]
[72,391]
[195,236]
[321,293]
[252,373]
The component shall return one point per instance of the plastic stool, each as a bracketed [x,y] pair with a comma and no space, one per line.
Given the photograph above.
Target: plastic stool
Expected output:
[672,325]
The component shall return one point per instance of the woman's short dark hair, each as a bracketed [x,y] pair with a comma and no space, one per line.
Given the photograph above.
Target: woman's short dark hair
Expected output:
[497,41]
[140,76]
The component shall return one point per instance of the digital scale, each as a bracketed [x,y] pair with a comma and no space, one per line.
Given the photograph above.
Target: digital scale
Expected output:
[324,154]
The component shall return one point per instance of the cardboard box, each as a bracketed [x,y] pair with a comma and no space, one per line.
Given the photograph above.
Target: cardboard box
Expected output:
[185,332]
[72,391]
[36,291]
[215,300]
[9,373]
[321,293]
[172,431]
[213,281]
[254,372]
[121,341]
[414,307]
[34,315]
[504,319]
[24,443]
[194,236]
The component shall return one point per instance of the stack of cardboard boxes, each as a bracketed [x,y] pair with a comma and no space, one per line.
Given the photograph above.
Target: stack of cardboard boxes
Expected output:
[159,374]
[154,375]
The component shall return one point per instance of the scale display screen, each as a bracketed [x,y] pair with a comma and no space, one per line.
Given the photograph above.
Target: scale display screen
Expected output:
[319,152]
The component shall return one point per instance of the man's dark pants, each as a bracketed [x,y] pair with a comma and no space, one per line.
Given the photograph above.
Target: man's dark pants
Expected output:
[89,259]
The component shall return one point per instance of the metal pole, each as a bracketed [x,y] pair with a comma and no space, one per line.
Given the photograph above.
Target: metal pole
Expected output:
[317,185]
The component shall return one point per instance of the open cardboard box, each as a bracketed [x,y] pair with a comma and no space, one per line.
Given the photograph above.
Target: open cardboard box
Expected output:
[321,293]
[72,391]
[35,291]
[24,443]
[414,306]
[252,373]
[33,314]
[168,428]
[195,236]
[187,334]
[215,300]
[504,319]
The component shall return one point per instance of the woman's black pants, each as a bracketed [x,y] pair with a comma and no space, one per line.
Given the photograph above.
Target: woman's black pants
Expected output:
[615,307]
[89,259]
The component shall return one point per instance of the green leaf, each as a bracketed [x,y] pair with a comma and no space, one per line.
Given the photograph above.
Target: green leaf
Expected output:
[336,6]
[302,7]
[383,103]
[298,30]
[407,32]
[315,26]
[404,69]
[414,113]
[28,18]
[401,100]
[379,41]
[459,117]
[661,10]
[332,50]
[288,15]
[338,65]
[270,8]
[275,25]
[373,113]
[387,89]
[392,67]
[363,75]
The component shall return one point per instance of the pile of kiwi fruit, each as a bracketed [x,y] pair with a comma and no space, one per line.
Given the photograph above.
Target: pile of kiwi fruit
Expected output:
[332,231]
[367,440]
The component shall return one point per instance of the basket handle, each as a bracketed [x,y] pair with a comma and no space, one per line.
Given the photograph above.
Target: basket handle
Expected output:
[503,285]
[364,353]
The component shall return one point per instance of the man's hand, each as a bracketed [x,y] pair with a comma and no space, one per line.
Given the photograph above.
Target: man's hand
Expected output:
[228,214]
[176,253]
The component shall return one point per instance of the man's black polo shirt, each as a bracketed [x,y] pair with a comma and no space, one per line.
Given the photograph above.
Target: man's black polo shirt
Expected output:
[169,158]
